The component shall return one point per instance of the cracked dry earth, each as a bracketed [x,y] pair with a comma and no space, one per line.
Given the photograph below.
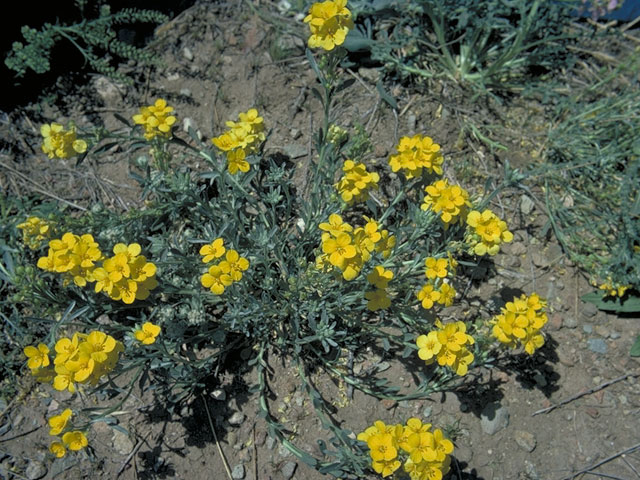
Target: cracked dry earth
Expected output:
[219,60]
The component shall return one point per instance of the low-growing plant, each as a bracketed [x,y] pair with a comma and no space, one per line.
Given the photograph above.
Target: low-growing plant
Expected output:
[240,258]
[93,38]
[492,45]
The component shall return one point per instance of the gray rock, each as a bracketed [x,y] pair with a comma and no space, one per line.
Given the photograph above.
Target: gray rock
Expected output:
[219,394]
[589,309]
[271,443]
[530,470]
[526,205]
[238,472]
[587,328]
[525,440]
[569,322]
[371,75]
[382,366]
[597,345]
[463,453]
[187,53]
[236,419]
[121,442]
[288,469]
[494,417]
[602,331]
[108,90]
[614,335]
[35,470]
[295,150]
[232,438]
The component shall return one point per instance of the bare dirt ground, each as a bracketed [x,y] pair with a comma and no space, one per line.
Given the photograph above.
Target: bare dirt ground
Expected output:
[218,61]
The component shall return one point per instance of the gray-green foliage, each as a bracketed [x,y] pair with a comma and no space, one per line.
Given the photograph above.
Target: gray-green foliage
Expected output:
[490,44]
[94,39]
[592,188]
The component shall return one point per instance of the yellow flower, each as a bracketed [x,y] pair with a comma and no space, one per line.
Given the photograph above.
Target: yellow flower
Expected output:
[147,333]
[59,422]
[156,119]
[520,322]
[339,249]
[37,357]
[487,233]
[63,379]
[236,161]
[428,346]
[378,299]
[428,295]
[329,21]
[233,265]
[58,449]
[213,250]
[379,277]
[448,201]
[335,226]
[97,345]
[382,447]
[216,280]
[34,231]
[60,143]
[356,182]
[386,467]
[447,294]
[435,268]
[75,440]
[417,153]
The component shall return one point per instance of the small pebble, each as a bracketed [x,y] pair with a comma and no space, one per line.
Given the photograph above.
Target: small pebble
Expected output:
[569,322]
[187,53]
[525,440]
[589,309]
[35,470]
[238,472]
[587,328]
[236,419]
[219,394]
[597,345]
[288,469]
[494,417]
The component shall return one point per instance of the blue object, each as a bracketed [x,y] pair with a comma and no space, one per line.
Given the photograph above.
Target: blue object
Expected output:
[629,11]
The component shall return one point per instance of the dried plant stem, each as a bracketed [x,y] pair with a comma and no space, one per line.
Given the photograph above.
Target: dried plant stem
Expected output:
[130,456]
[586,392]
[602,462]
[215,438]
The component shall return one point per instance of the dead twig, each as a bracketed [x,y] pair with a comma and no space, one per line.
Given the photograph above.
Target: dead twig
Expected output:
[586,392]
[602,462]
[39,190]
[133,452]
[255,454]
[215,438]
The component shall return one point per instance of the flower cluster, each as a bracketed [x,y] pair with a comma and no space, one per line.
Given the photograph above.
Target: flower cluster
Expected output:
[451,202]
[427,452]
[221,275]
[520,322]
[243,138]
[156,119]
[437,289]
[329,21]
[60,143]
[126,276]
[356,182]
[613,289]
[348,249]
[417,153]
[74,256]
[70,439]
[486,232]
[35,230]
[84,358]
[378,299]
[147,333]
[448,345]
